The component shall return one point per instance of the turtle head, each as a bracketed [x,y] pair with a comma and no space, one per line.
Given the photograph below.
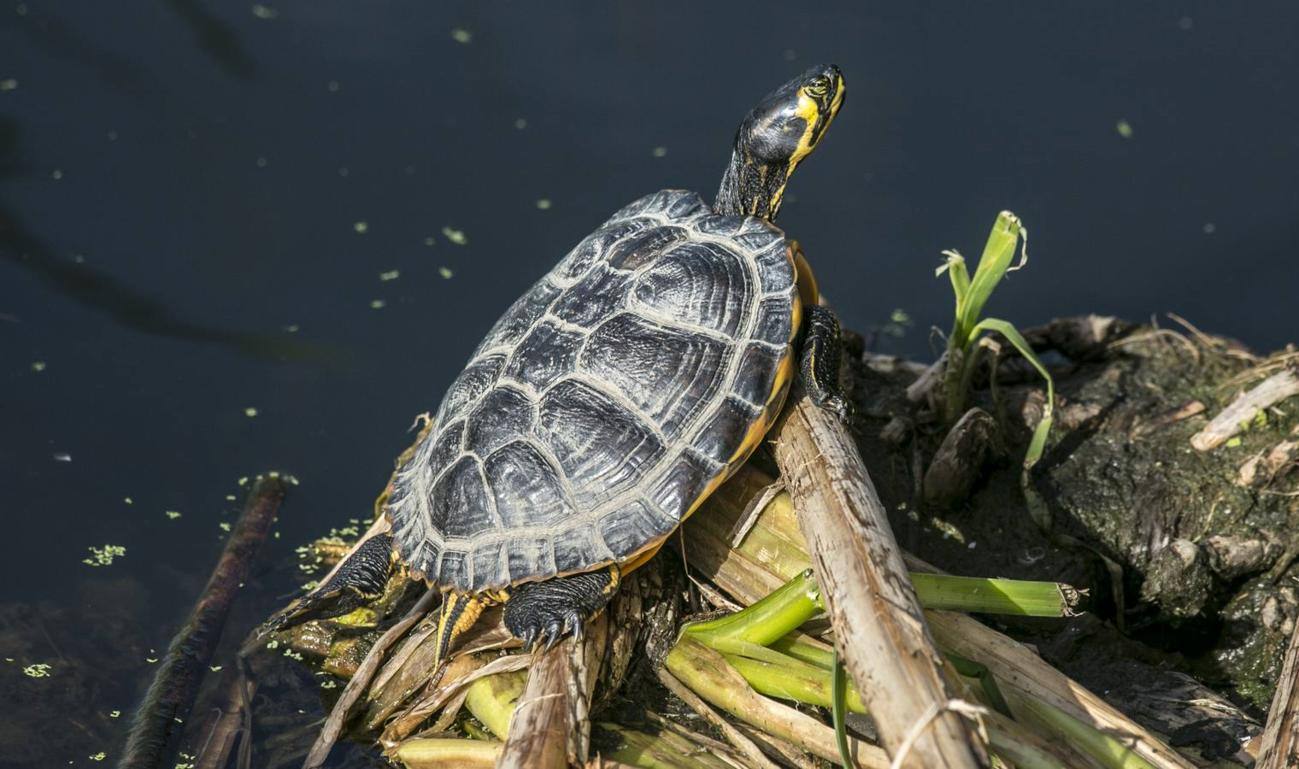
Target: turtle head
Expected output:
[775,137]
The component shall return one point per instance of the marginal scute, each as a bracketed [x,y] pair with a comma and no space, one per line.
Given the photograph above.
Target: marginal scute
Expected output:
[756,375]
[634,251]
[668,374]
[604,402]
[472,382]
[488,562]
[774,324]
[527,556]
[577,549]
[594,249]
[675,491]
[630,527]
[723,432]
[521,316]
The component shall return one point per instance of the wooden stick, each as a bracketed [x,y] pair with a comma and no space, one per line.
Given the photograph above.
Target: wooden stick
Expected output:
[170,697]
[1280,747]
[551,726]
[1276,388]
[878,624]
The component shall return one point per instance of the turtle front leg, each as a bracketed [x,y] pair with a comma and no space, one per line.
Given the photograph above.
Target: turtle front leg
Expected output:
[547,611]
[357,580]
[819,361]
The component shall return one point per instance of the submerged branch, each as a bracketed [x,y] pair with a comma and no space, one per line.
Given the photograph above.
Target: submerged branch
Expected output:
[171,695]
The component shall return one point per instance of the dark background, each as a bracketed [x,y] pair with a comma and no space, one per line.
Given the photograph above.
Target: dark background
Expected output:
[181,181]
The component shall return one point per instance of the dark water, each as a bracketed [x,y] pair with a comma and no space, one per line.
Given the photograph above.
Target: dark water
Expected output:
[182,181]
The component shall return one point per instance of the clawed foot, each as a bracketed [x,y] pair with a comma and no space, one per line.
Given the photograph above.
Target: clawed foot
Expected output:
[546,612]
[841,407]
[550,629]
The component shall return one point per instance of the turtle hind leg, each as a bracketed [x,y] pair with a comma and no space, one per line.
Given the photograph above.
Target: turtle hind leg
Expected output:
[547,611]
[819,361]
[458,613]
[357,580]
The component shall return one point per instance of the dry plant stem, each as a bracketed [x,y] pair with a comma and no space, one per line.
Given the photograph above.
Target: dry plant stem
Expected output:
[708,674]
[1270,391]
[440,753]
[747,747]
[1280,748]
[360,681]
[879,627]
[171,695]
[458,676]
[551,725]
[1022,672]
[228,723]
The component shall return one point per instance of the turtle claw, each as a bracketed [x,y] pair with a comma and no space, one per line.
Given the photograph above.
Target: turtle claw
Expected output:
[575,624]
[554,632]
[529,639]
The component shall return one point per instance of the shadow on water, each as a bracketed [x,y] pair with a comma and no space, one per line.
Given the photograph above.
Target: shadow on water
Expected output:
[215,38]
[60,40]
[100,291]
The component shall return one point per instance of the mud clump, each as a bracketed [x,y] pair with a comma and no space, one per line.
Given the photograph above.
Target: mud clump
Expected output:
[1204,540]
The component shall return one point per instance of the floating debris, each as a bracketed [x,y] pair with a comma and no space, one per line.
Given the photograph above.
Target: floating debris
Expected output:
[250,412]
[112,136]
[224,526]
[292,328]
[343,171]
[8,84]
[262,161]
[455,236]
[38,670]
[660,151]
[328,683]
[389,275]
[114,714]
[333,86]
[1124,128]
[38,366]
[361,227]
[243,481]
[544,204]
[445,272]
[62,456]
[128,500]
[231,498]
[1185,23]
[100,756]
[264,12]
[462,36]
[520,123]
[377,304]
[56,174]
[1209,228]
[103,556]
[429,241]
[171,514]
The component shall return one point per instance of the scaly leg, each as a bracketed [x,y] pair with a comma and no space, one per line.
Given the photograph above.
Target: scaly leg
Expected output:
[358,579]
[819,361]
[547,611]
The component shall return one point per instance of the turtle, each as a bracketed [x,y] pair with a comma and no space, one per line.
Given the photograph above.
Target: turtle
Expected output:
[610,399]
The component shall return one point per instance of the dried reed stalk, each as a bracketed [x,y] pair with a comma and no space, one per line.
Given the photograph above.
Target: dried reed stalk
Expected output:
[551,725]
[879,627]
[1280,747]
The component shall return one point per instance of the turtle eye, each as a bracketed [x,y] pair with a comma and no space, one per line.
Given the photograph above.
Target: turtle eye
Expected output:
[819,87]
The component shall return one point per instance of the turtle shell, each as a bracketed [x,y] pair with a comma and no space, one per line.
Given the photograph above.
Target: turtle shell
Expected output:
[606,402]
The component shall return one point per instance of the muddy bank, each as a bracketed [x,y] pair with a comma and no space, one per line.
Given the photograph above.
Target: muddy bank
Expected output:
[1204,538]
